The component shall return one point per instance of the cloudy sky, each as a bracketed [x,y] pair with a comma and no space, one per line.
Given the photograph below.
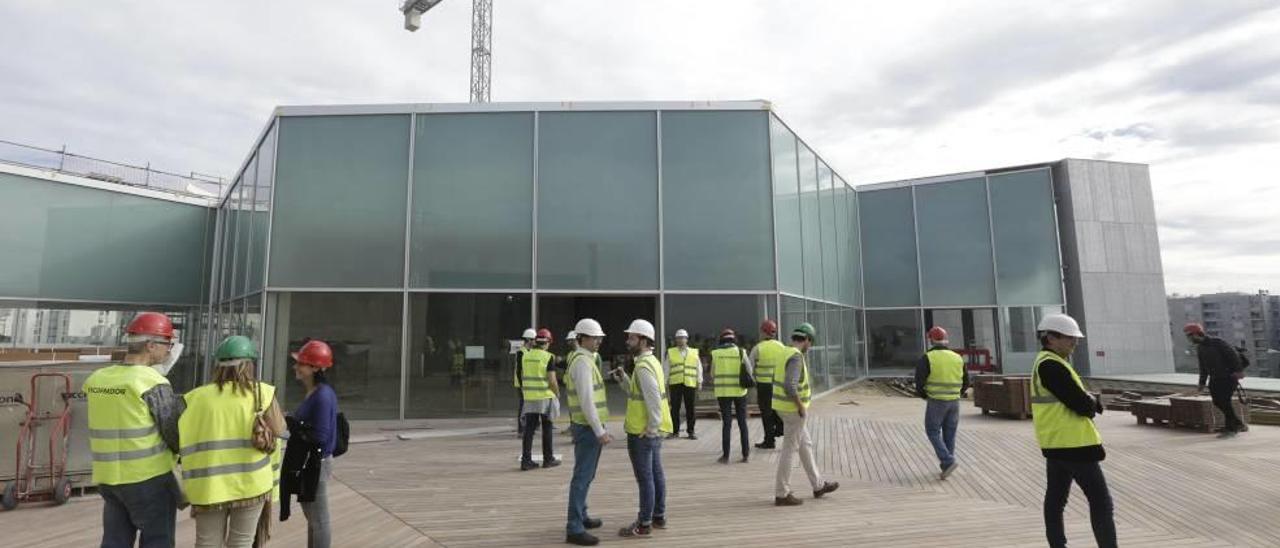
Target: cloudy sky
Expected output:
[884,90]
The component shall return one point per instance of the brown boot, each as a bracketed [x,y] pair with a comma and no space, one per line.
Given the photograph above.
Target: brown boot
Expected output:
[789,500]
[826,488]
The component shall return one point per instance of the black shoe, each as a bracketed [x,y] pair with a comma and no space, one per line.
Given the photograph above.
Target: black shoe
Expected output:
[593,523]
[723,460]
[765,445]
[550,463]
[826,488]
[525,466]
[673,436]
[636,530]
[693,436]
[582,539]
[746,459]
[659,522]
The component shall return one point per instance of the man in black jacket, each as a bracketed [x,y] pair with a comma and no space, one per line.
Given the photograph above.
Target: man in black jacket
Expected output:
[1220,365]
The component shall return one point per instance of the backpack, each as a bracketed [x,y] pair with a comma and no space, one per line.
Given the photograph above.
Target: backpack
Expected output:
[1243,355]
[344,436]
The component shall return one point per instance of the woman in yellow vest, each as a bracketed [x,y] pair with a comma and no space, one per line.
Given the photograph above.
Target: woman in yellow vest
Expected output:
[727,362]
[1063,413]
[540,392]
[226,472]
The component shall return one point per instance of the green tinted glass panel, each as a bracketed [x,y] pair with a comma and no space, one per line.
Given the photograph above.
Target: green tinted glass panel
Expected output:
[786,203]
[830,253]
[811,223]
[955,243]
[1022,210]
[260,212]
[341,183]
[889,248]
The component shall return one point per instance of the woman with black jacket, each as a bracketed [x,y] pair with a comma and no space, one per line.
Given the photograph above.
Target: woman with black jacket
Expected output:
[313,435]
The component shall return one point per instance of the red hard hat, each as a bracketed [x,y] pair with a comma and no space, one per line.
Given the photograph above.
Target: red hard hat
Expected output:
[544,334]
[1193,329]
[937,334]
[727,333]
[315,353]
[769,327]
[153,324]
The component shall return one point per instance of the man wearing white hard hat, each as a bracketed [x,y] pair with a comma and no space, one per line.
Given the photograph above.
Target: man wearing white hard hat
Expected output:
[588,412]
[527,337]
[683,368]
[1063,413]
[648,419]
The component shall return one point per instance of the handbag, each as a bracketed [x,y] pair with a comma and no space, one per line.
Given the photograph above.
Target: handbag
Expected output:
[263,438]
[744,376]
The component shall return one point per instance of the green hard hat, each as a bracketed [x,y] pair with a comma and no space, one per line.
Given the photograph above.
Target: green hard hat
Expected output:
[237,347]
[807,330]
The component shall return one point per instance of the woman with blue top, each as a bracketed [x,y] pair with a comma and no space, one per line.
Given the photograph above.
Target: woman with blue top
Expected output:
[319,413]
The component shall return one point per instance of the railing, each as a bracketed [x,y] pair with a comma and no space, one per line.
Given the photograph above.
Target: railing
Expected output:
[195,184]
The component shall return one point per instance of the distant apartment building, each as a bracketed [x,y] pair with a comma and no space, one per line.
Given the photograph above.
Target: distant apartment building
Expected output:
[1248,321]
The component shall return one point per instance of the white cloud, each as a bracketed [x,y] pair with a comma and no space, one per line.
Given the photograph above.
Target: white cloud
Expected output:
[883,90]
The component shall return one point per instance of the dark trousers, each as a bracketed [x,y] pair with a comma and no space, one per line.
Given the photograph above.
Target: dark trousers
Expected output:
[1088,475]
[681,394]
[1223,391]
[531,422]
[768,417]
[520,411]
[148,507]
[730,409]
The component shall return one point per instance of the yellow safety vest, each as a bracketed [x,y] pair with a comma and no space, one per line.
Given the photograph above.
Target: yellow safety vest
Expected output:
[946,375]
[533,375]
[637,420]
[684,370]
[219,462]
[277,459]
[598,394]
[126,445]
[1057,426]
[727,364]
[771,357]
[783,403]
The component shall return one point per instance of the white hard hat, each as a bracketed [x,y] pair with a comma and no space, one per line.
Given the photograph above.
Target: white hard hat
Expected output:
[589,327]
[529,334]
[572,336]
[642,327]
[1061,323]
[682,333]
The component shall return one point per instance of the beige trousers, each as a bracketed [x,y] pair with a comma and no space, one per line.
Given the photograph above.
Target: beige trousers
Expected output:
[229,528]
[796,440]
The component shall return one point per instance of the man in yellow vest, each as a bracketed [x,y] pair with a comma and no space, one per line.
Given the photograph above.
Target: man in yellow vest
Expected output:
[941,380]
[1063,414]
[792,392]
[683,367]
[540,392]
[727,362]
[588,412]
[768,356]
[133,434]
[648,418]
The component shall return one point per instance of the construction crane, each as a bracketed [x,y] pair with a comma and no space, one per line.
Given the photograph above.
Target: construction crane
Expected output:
[481,39]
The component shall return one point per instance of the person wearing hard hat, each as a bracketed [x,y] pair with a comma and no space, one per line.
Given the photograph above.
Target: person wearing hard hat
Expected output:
[228,433]
[1220,365]
[1063,414]
[768,357]
[683,367]
[571,346]
[588,412]
[792,392]
[313,436]
[133,436]
[527,342]
[648,419]
[728,361]
[941,381]
[540,390]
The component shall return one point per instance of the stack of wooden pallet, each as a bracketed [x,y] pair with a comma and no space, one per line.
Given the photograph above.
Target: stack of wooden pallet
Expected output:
[1156,410]
[1005,395]
[1198,412]
[1264,411]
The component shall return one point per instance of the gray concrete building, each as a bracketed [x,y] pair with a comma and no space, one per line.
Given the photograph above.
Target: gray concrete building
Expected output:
[1248,321]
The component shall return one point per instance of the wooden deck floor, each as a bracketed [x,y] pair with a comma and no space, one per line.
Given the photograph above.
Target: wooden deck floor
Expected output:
[1171,488]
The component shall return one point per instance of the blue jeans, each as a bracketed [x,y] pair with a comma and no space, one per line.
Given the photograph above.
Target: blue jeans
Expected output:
[646,462]
[149,507]
[586,456]
[940,421]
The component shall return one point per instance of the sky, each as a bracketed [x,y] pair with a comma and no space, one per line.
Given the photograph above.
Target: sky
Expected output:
[882,90]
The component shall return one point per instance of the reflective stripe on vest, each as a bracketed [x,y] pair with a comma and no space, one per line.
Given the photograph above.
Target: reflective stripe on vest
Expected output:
[1057,426]
[277,458]
[637,420]
[598,394]
[684,370]
[219,462]
[726,363]
[533,375]
[771,358]
[946,375]
[126,446]
[783,403]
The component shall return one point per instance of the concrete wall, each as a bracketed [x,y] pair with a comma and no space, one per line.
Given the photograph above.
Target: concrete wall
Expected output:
[1112,266]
